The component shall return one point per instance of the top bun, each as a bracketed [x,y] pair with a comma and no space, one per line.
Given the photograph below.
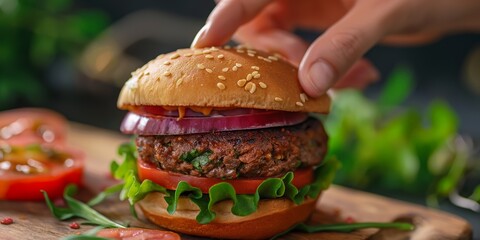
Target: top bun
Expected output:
[219,78]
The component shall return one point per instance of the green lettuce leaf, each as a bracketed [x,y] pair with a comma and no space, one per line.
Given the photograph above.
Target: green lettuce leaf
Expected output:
[243,204]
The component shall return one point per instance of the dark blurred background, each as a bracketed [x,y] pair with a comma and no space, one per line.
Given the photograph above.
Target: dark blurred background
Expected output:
[74,56]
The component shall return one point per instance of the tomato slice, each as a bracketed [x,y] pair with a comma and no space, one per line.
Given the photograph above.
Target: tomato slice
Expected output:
[170,180]
[24,186]
[137,234]
[23,175]
[32,125]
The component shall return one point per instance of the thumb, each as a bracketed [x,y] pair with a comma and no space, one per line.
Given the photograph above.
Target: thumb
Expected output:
[334,52]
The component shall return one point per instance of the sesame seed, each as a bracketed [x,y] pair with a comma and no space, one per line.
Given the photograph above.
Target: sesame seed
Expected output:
[273,58]
[254,87]
[251,51]
[167,63]
[198,52]
[187,54]
[277,99]
[257,76]
[206,51]
[278,55]
[299,104]
[241,82]
[227,47]
[251,87]
[221,85]
[238,64]
[221,77]
[255,68]
[200,66]
[208,56]
[260,57]
[249,77]
[254,73]
[167,73]
[234,68]
[179,81]
[161,56]
[225,69]
[251,54]
[220,56]
[303,97]
[262,85]
[240,51]
[213,49]
[208,70]
[175,56]
[267,60]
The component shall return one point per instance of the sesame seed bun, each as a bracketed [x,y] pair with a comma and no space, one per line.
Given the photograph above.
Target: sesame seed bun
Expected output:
[220,78]
[272,217]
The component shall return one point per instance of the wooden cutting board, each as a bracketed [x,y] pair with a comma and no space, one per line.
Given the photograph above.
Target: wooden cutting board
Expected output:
[34,221]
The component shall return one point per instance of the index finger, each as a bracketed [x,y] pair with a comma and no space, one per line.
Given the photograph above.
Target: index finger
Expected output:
[225,19]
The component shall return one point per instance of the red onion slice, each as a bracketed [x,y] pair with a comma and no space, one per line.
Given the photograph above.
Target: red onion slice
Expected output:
[134,123]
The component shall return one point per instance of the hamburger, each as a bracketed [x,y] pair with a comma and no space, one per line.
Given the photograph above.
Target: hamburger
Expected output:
[225,145]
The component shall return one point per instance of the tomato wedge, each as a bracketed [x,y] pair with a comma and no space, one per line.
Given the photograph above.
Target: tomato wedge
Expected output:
[55,176]
[32,125]
[137,234]
[170,180]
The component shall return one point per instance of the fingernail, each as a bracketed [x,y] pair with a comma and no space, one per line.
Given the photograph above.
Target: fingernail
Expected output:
[199,36]
[321,77]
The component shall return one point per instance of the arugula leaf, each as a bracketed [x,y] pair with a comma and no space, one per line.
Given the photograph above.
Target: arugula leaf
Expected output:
[58,212]
[104,194]
[345,227]
[78,209]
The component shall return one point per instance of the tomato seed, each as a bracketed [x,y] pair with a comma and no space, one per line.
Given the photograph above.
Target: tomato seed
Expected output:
[74,225]
[7,221]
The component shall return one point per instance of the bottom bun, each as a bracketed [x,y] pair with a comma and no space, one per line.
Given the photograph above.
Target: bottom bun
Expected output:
[273,216]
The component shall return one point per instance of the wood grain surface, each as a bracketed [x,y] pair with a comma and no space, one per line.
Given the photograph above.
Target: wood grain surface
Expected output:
[34,221]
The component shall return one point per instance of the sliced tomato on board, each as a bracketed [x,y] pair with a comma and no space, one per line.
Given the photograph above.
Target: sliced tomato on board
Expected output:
[32,126]
[23,176]
[170,180]
[137,234]
[33,155]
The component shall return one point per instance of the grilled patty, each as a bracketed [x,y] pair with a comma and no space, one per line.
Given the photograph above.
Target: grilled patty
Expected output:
[269,152]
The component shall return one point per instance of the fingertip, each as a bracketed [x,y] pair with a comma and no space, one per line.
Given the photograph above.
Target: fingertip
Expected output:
[198,41]
[317,77]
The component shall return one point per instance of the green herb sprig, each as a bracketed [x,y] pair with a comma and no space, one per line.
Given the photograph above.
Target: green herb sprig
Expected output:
[385,144]
[78,209]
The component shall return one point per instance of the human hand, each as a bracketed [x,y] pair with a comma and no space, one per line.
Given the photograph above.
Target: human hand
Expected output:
[352,28]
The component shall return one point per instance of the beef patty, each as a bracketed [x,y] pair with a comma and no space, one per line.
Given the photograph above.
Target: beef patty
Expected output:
[269,152]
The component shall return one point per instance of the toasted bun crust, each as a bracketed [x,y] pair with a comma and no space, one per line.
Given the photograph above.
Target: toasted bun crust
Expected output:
[272,217]
[219,77]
